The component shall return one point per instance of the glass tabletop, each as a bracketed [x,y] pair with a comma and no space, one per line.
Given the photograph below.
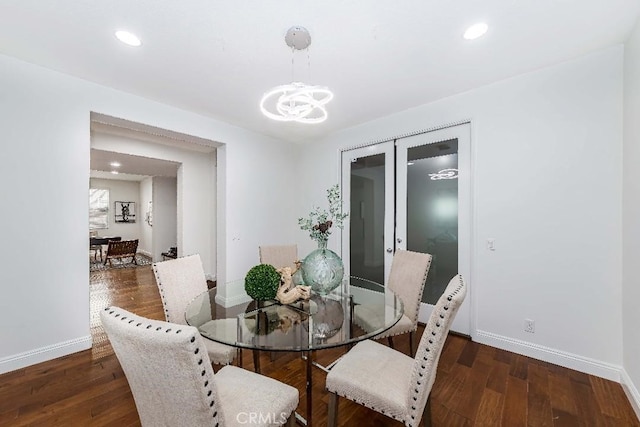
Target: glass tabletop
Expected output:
[357,310]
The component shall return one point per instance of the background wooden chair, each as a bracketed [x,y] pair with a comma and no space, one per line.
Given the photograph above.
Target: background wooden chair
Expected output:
[121,249]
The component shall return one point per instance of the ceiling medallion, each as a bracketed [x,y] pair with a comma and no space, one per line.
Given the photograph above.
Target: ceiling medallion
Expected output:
[297,101]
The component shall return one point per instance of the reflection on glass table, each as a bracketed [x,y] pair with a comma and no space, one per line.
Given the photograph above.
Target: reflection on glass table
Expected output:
[321,322]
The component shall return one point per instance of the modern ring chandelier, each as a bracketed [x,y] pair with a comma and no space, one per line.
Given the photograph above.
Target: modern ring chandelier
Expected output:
[297,101]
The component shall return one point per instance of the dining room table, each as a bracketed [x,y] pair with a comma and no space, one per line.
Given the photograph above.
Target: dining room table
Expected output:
[357,310]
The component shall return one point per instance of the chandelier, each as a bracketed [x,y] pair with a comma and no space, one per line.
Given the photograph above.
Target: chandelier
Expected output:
[297,101]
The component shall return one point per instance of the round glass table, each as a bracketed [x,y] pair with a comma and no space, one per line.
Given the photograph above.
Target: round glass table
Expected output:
[357,310]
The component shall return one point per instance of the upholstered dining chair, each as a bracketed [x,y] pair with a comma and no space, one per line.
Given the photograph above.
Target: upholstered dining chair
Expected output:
[279,256]
[173,383]
[390,382]
[179,281]
[407,278]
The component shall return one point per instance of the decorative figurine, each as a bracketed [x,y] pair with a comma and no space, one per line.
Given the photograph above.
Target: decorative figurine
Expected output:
[287,292]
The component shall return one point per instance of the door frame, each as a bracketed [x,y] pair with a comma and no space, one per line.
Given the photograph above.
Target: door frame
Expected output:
[465,319]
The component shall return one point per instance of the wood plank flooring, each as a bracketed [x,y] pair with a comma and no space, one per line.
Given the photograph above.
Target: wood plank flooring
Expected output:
[476,385]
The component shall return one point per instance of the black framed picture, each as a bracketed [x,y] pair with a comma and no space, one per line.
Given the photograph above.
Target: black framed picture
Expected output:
[125,212]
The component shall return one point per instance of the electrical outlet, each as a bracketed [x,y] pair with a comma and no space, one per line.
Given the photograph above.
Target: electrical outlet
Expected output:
[530,326]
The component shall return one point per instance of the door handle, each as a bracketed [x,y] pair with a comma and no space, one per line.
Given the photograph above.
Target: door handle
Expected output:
[389,250]
[399,240]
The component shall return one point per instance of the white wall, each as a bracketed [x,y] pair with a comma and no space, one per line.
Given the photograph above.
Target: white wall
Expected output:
[146,235]
[120,191]
[631,218]
[258,192]
[547,155]
[45,128]
[165,212]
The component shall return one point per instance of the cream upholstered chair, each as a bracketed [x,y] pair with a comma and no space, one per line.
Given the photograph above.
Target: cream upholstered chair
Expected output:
[391,382]
[173,383]
[407,278]
[180,281]
[279,256]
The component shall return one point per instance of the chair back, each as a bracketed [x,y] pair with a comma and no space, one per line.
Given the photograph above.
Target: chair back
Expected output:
[179,281]
[407,278]
[431,344]
[167,368]
[279,256]
[122,248]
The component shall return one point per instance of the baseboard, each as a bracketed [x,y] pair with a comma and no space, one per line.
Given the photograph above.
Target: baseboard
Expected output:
[631,391]
[551,355]
[145,253]
[43,354]
[233,300]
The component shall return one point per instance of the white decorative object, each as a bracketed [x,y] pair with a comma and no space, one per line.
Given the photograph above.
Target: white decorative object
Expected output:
[296,102]
[287,292]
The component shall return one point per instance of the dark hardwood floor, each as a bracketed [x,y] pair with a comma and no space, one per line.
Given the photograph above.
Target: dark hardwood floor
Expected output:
[476,384]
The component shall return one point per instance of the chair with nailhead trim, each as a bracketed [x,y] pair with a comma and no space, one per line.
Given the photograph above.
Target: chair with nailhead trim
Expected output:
[407,278]
[179,282]
[279,256]
[173,383]
[390,382]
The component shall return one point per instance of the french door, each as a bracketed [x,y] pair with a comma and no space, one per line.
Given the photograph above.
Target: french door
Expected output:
[411,193]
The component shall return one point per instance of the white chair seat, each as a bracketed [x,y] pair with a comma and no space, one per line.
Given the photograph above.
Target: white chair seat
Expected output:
[403,326]
[243,393]
[380,383]
[370,318]
[220,354]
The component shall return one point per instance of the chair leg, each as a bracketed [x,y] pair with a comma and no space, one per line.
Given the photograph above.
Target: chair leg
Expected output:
[426,414]
[239,357]
[332,416]
[256,361]
[390,339]
[412,343]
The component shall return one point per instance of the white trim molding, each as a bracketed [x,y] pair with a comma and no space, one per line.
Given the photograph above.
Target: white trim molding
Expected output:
[552,355]
[230,302]
[631,391]
[234,295]
[43,354]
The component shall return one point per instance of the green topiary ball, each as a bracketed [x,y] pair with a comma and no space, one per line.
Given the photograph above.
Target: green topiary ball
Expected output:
[262,282]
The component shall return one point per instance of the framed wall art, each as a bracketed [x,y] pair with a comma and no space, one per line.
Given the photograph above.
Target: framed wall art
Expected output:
[125,211]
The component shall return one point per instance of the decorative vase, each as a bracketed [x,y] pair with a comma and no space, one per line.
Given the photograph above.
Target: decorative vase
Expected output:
[322,269]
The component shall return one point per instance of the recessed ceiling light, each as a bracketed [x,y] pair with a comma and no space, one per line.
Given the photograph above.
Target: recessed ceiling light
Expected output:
[128,38]
[115,172]
[475,31]
[115,164]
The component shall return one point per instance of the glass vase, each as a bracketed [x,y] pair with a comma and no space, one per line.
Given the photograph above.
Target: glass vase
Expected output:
[322,269]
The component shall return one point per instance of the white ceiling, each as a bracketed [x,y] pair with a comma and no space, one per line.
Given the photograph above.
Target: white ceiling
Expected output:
[217,58]
[132,168]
